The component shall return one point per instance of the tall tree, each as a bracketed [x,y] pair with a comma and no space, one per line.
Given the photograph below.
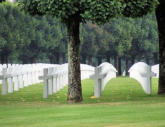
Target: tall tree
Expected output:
[161,27]
[72,13]
[121,31]
[13,32]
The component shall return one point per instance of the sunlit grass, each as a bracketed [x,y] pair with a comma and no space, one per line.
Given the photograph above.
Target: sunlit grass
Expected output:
[123,103]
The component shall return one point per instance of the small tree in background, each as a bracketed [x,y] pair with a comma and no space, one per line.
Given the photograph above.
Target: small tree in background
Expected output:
[74,12]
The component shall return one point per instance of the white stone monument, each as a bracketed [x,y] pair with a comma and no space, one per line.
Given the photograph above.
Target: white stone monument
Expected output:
[103,74]
[142,73]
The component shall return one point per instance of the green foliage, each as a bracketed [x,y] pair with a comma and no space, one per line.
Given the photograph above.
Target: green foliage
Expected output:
[27,39]
[123,37]
[145,40]
[43,39]
[12,31]
[138,8]
[97,11]
[121,31]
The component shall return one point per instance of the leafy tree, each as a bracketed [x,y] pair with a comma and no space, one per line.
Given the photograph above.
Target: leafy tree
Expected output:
[12,32]
[150,37]
[94,43]
[72,13]
[121,31]
[40,35]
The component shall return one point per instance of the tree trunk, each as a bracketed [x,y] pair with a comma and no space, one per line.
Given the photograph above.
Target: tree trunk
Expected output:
[99,60]
[147,61]
[74,75]
[57,58]
[90,60]
[2,59]
[119,66]
[51,59]
[160,15]
[116,62]
[63,58]
[132,61]
[84,59]
[6,60]
[126,66]
[156,61]
[108,59]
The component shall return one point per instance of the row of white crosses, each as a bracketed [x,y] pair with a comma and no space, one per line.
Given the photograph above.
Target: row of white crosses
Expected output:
[17,76]
[5,66]
[139,71]
[55,78]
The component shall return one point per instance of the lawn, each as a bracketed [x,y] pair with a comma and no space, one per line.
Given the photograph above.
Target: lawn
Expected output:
[123,103]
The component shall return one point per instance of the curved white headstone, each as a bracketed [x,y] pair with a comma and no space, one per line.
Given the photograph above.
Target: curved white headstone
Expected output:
[142,73]
[103,74]
[86,71]
[109,71]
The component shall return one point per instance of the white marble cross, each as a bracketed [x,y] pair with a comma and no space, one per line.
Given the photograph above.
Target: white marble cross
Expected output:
[142,73]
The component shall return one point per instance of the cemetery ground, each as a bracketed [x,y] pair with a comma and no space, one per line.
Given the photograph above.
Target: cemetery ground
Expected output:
[123,103]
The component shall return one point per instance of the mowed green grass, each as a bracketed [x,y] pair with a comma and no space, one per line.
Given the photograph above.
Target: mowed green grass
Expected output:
[123,103]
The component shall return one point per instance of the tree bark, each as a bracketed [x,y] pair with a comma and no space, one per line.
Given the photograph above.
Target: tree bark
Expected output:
[119,66]
[84,59]
[6,59]
[126,66]
[2,60]
[132,61]
[90,60]
[160,15]
[108,58]
[156,61]
[57,58]
[147,61]
[99,60]
[74,75]
[63,58]
[51,60]
[116,62]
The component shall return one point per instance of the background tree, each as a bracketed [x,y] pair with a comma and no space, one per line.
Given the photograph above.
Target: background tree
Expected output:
[12,35]
[121,30]
[161,27]
[88,46]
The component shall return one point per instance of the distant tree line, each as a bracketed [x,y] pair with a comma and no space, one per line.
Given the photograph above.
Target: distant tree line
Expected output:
[123,41]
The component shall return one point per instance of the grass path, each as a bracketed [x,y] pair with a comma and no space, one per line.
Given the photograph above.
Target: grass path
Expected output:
[122,104]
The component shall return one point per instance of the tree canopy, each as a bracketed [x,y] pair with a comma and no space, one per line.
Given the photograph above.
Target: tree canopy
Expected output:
[97,11]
